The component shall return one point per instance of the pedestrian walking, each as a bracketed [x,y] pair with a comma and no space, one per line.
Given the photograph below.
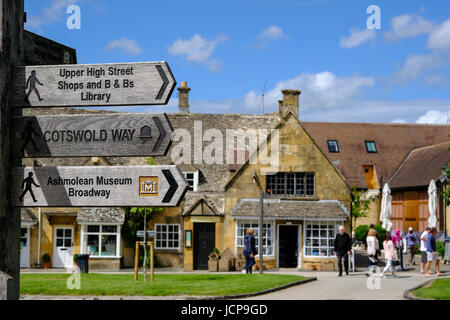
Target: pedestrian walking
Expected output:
[423,249]
[398,243]
[342,248]
[249,251]
[373,248]
[411,240]
[432,254]
[390,254]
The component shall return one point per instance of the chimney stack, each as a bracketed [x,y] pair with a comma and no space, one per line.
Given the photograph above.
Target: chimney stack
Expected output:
[289,102]
[183,97]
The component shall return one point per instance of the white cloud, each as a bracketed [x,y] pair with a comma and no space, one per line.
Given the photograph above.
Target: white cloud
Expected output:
[128,46]
[436,80]
[416,65]
[357,38]
[272,32]
[268,35]
[408,26]
[319,90]
[435,117]
[399,121]
[55,12]
[198,50]
[439,38]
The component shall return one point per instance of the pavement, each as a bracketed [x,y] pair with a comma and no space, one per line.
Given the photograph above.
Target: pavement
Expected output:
[328,286]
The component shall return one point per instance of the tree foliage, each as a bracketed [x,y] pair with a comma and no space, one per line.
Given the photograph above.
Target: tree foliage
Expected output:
[360,207]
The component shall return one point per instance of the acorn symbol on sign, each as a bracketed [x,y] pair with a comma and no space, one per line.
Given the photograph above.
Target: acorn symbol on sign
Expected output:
[146,134]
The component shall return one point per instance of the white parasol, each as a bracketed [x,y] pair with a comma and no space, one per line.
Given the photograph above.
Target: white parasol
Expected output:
[432,200]
[386,208]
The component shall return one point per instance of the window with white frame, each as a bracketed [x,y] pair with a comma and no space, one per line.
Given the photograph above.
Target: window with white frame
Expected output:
[268,234]
[192,179]
[101,240]
[167,236]
[319,238]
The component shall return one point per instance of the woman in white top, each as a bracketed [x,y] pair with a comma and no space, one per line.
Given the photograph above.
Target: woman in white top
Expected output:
[372,251]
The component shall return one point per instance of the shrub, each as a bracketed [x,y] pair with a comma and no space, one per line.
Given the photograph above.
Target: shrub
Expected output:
[361,232]
[46,258]
[440,248]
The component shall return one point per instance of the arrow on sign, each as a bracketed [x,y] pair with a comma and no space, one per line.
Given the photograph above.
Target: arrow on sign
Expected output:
[165,82]
[173,186]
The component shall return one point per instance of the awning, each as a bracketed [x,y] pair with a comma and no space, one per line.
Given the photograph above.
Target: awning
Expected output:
[101,215]
[292,209]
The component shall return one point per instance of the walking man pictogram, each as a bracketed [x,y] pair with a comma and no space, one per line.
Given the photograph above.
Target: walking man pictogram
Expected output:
[31,81]
[28,182]
[28,133]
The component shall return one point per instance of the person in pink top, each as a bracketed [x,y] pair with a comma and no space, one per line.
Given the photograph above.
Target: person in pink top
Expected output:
[390,254]
[397,238]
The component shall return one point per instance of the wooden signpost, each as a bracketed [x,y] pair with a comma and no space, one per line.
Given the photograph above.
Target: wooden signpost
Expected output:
[94,186]
[115,84]
[134,134]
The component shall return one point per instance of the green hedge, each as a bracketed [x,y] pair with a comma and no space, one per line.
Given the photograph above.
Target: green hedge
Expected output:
[362,230]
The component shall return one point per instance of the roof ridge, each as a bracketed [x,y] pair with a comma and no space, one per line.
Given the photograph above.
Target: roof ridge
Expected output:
[431,146]
[381,123]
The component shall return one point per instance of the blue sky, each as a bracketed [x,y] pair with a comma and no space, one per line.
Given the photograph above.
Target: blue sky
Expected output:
[227,50]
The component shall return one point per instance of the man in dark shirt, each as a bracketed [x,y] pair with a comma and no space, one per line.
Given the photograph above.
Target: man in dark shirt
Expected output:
[342,247]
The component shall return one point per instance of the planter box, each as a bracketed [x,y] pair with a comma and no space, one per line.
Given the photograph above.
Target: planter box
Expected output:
[213,265]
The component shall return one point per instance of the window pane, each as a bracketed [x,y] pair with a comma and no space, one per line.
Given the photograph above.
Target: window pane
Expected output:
[59,242]
[270,181]
[310,184]
[60,233]
[67,243]
[300,184]
[92,228]
[333,146]
[370,146]
[109,229]
[68,233]
[280,182]
[109,245]
[92,245]
[290,183]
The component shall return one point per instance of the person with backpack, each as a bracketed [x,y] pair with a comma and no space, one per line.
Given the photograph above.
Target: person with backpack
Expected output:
[411,240]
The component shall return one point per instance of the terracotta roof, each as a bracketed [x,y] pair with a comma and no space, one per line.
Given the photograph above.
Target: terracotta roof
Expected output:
[421,166]
[98,215]
[276,208]
[393,142]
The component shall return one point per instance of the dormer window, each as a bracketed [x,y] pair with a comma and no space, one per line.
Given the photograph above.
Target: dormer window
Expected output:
[333,146]
[371,147]
[192,179]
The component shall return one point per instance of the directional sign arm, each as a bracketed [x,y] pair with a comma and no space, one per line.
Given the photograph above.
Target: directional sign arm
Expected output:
[162,134]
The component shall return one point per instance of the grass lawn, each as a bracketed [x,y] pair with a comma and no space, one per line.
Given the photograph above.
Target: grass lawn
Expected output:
[439,290]
[164,284]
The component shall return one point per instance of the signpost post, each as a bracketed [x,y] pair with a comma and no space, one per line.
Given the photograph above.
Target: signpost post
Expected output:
[115,84]
[134,134]
[93,186]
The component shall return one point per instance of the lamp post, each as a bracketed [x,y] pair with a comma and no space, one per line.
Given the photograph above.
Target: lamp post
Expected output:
[261,221]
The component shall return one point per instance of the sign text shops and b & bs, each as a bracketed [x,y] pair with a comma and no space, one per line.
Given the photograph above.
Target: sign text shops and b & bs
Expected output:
[108,186]
[117,84]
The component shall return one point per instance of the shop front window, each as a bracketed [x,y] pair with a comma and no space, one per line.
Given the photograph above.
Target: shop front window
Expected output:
[101,240]
[319,238]
[268,234]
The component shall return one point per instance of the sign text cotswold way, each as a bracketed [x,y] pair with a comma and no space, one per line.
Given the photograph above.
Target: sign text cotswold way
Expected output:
[130,186]
[142,83]
[131,134]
